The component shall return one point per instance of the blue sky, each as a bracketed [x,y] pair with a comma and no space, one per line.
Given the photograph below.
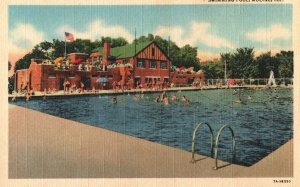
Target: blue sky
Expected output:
[211,28]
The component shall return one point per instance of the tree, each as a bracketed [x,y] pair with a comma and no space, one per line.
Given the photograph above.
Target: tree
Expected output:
[266,63]
[25,62]
[241,63]
[214,70]
[286,65]
[117,42]
[188,57]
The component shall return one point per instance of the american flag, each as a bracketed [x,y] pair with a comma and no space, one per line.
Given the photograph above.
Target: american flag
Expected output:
[69,37]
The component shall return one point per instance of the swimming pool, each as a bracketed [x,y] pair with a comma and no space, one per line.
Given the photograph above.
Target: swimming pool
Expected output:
[261,124]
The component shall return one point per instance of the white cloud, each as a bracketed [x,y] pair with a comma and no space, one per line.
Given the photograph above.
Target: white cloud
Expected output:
[97,29]
[23,38]
[199,32]
[268,35]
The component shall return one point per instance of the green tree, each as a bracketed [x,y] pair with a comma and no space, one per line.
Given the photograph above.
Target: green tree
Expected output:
[214,70]
[286,64]
[117,42]
[266,63]
[241,64]
[25,62]
[188,58]
[59,48]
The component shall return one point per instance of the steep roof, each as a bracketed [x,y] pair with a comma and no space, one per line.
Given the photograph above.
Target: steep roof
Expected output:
[125,51]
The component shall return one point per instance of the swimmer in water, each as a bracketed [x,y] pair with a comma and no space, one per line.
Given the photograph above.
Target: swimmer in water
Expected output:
[276,97]
[14,98]
[185,100]
[249,97]
[137,97]
[165,99]
[238,100]
[27,97]
[162,96]
[157,99]
[114,99]
[174,98]
[235,92]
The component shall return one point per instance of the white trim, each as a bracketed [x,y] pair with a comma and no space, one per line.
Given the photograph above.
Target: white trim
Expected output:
[152,77]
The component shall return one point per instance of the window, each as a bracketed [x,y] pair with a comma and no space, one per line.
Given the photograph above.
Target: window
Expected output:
[51,75]
[153,51]
[71,75]
[109,76]
[163,65]
[140,63]
[152,64]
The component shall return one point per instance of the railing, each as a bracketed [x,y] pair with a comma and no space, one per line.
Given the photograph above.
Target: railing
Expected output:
[217,144]
[194,137]
[212,147]
[254,82]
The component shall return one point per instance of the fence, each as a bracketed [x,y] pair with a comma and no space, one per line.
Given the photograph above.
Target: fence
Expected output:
[254,82]
[243,82]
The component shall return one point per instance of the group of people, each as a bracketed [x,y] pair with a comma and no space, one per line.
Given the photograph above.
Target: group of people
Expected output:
[239,100]
[25,90]
[70,88]
[165,100]
[27,95]
[153,85]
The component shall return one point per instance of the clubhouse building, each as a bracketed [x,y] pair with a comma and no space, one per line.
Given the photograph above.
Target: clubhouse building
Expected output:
[127,66]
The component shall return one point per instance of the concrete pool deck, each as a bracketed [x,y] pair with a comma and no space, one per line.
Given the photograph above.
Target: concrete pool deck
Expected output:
[45,146]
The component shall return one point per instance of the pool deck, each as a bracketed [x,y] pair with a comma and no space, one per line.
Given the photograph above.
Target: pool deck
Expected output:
[120,92]
[45,146]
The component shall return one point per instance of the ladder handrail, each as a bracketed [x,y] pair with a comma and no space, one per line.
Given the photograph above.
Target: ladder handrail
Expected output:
[217,144]
[194,137]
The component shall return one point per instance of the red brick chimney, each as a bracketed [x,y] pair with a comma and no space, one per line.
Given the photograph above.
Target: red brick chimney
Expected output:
[106,49]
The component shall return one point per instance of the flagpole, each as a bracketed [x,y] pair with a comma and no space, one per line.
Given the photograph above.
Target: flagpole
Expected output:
[134,41]
[170,62]
[65,47]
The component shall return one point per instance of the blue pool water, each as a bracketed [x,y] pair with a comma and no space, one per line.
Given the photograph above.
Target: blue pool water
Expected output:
[261,124]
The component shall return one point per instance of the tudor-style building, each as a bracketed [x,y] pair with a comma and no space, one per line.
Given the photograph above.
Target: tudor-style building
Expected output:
[128,65]
[148,60]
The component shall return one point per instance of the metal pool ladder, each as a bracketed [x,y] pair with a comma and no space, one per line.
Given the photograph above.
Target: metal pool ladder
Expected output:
[217,144]
[194,137]
[215,148]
